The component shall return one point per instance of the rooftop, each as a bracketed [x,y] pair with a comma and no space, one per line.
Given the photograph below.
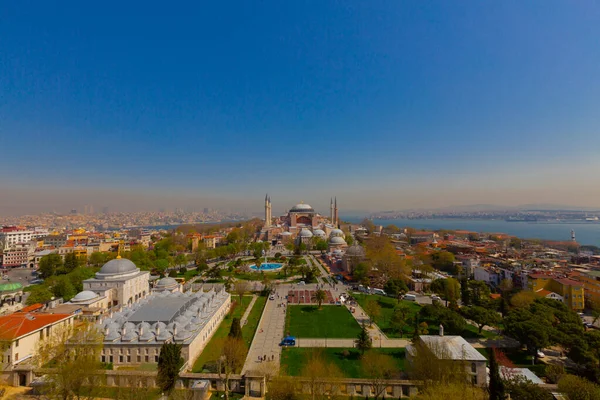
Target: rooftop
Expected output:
[16,325]
[451,347]
[161,309]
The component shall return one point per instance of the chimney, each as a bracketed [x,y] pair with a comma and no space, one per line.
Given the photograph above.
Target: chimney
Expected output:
[441,330]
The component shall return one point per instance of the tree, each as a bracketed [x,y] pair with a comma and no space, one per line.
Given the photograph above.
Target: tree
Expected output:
[363,341]
[373,310]
[523,299]
[71,262]
[39,294]
[180,259]
[394,287]
[481,316]
[361,271]
[496,384]
[523,389]
[506,285]
[448,288]
[319,297]
[443,260]
[453,391]
[479,292]
[97,259]
[382,255]
[320,374]
[73,351]
[399,318]
[236,329]
[321,245]
[63,288]
[282,388]
[49,264]
[577,388]
[378,368]
[232,360]
[169,364]
[465,295]
[241,287]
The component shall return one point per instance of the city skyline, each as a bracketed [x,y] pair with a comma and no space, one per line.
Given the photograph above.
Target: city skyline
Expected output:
[387,105]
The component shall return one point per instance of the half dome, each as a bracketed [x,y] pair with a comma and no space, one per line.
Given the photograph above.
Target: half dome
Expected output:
[86,295]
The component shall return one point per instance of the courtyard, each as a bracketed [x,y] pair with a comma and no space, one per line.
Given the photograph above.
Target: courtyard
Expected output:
[304,321]
[346,359]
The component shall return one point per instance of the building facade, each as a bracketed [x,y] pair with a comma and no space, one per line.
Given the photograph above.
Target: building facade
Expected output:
[136,334]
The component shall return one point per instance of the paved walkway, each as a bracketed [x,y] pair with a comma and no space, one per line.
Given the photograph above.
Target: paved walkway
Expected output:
[248,309]
[269,334]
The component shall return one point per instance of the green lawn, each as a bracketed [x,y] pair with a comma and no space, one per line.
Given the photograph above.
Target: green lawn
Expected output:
[293,359]
[328,322]
[387,305]
[249,329]
[212,351]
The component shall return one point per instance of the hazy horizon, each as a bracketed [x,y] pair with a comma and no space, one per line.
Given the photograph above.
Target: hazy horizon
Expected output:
[386,105]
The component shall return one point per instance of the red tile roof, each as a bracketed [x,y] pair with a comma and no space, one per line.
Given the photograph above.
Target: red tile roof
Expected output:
[19,324]
[568,282]
[33,307]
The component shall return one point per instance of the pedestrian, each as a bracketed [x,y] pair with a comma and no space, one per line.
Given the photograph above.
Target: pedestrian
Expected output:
[265,357]
[259,360]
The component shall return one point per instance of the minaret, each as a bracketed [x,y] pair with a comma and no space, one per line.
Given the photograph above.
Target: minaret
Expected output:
[270,211]
[335,213]
[331,208]
[267,219]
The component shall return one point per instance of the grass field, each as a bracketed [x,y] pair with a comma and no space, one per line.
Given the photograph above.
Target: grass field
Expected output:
[387,305]
[329,322]
[249,329]
[293,359]
[212,351]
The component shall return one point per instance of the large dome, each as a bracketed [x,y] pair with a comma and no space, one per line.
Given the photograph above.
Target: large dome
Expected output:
[118,266]
[84,296]
[302,208]
[337,240]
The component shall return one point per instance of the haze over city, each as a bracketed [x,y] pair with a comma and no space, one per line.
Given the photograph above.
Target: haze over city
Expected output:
[386,105]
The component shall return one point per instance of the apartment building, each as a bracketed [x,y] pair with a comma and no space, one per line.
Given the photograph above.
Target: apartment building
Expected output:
[571,291]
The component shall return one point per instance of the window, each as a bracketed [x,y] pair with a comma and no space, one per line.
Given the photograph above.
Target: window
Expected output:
[17,356]
[128,359]
[147,359]
[139,358]
[103,359]
[120,359]
[474,379]
[156,359]
[17,343]
[110,359]
[473,367]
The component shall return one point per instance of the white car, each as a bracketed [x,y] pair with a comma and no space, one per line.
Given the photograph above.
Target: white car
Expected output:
[301,283]
[435,298]
[271,297]
[540,354]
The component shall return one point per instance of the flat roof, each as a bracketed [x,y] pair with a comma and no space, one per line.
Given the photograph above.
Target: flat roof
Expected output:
[161,309]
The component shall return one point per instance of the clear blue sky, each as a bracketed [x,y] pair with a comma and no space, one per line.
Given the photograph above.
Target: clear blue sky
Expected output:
[425,103]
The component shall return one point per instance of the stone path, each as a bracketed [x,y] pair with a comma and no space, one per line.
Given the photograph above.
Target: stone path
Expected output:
[269,333]
[248,309]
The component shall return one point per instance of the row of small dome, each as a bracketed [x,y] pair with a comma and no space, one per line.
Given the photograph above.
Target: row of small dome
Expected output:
[305,233]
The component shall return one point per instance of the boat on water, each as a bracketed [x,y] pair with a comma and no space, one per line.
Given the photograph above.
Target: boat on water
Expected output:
[521,219]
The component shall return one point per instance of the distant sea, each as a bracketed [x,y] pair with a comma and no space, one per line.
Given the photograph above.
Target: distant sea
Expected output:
[586,233]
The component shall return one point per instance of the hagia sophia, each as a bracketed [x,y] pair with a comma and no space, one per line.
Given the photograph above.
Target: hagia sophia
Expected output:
[302,224]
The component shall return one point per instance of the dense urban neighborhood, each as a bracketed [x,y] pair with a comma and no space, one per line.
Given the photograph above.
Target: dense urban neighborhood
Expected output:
[297,304]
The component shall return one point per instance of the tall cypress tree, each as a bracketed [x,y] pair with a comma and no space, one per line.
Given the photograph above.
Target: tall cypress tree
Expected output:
[496,388]
[169,364]
[236,329]
[363,341]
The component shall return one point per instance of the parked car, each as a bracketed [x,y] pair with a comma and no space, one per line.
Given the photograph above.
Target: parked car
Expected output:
[301,283]
[409,297]
[540,354]
[271,297]
[380,292]
[36,281]
[288,341]
[435,298]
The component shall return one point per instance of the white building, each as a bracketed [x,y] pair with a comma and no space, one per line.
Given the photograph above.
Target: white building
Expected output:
[10,236]
[120,282]
[136,334]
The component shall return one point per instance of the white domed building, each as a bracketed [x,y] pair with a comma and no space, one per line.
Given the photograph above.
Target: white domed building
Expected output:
[320,233]
[118,283]
[337,242]
[354,255]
